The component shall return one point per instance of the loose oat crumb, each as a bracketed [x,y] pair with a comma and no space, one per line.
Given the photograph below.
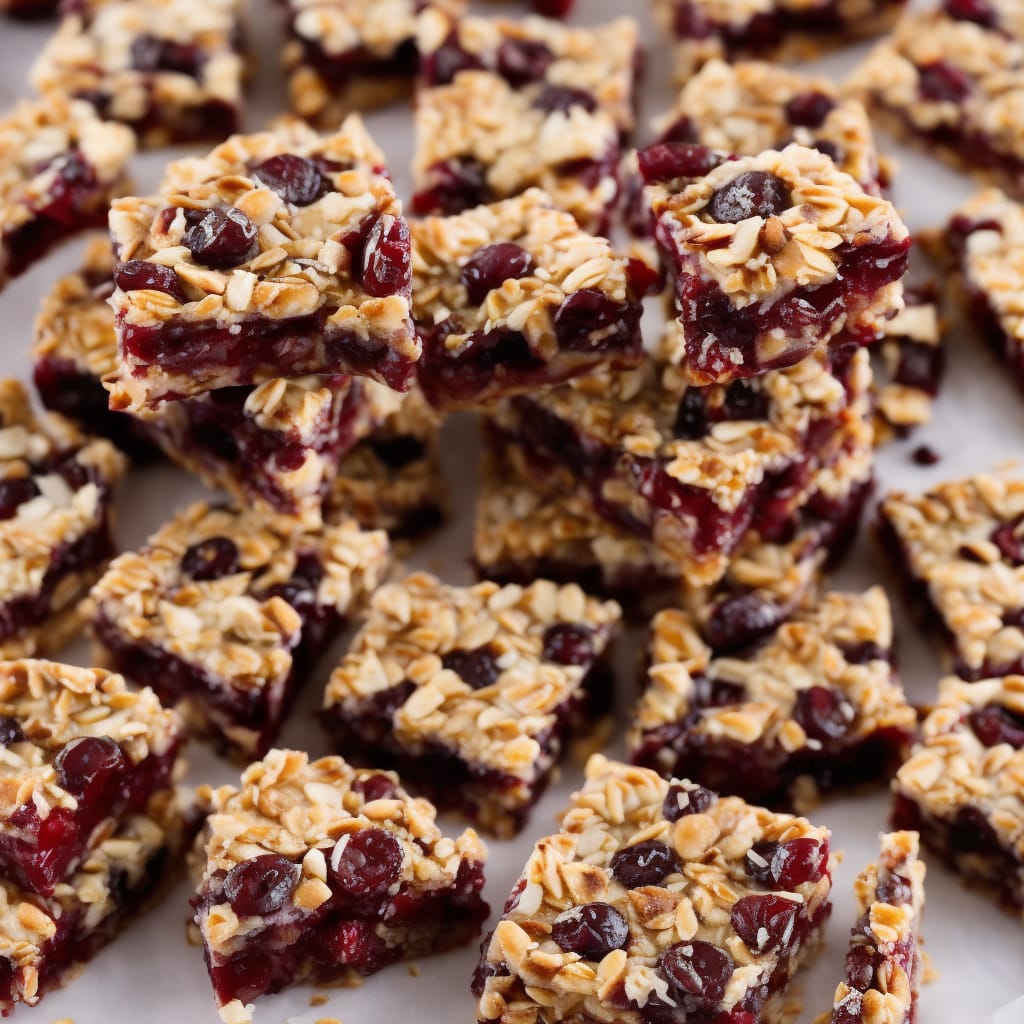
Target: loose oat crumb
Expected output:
[414,971]
[318,999]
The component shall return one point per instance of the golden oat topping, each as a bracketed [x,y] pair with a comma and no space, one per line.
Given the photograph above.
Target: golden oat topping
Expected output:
[53,705]
[420,632]
[694,892]
[207,586]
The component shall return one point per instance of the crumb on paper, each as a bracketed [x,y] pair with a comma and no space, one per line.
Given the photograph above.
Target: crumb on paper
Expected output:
[318,999]
[414,971]
[327,1020]
[929,973]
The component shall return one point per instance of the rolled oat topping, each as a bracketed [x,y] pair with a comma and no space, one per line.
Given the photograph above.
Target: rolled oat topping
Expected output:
[284,229]
[654,893]
[961,551]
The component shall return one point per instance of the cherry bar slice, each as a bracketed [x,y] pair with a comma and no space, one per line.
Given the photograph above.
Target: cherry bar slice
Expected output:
[225,616]
[171,70]
[667,907]
[472,692]
[514,297]
[280,254]
[815,702]
[82,754]
[884,965]
[60,167]
[961,787]
[312,871]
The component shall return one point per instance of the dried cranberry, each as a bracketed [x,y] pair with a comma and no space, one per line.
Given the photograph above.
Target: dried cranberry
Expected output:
[647,863]
[829,149]
[666,161]
[716,693]
[563,98]
[764,922]
[978,11]
[14,492]
[210,559]
[552,8]
[85,767]
[377,786]
[738,620]
[824,713]
[861,963]
[972,832]
[477,668]
[150,54]
[568,643]
[894,890]
[221,237]
[643,278]
[993,725]
[456,185]
[10,731]
[691,22]
[491,266]
[786,865]
[295,179]
[441,66]
[864,652]
[139,275]
[357,945]
[743,400]
[261,886]
[941,82]
[592,931]
[586,313]
[1009,538]
[698,971]
[523,60]
[387,258]
[751,194]
[809,108]
[680,130]
[369,864]
[681,801]
[692,421]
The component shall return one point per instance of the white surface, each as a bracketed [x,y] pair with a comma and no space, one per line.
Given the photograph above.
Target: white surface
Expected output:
[151,975]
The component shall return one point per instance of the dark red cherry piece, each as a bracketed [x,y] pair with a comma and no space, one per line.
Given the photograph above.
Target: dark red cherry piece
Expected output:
[374,787]
[368,866]
[568,643]
[993,725]
[210,559]
[861,963]
[786,865]
[14,492]
[585,313]
[809,109]
[563,98]
[294,178]
[980,12]
[448,60]
[490,267]
[738,620]
[261,886]
[221,237]
[666,161]
[10,731]
[1009,538]
[387,258]
[751,194]
[477,668]
[646,863]
[764,922]
[139,275]
[698,971]
[941,82]
[894,890]
[86,765]
[521,61]
[681,801]
[824,713]
[592,931]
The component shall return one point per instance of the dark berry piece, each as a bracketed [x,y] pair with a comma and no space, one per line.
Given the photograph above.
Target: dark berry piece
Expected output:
[941,82]
[356,944]
[521,61]
[647,863]
[1009,538]
[586,313]
[862,961]
[14,492]
[716,693]
[563,98]
[698,971]
[691,22]
[786,865]
[387,258]
[295,179]
[895,891]
[491,266]
[978,11]
[692,421]
[568,643]
[86,766]
[829,149]
[10,731]
[825,714]
[301,590]
[368,865]
[261,886]
[681,801]
[138,275]
[456,185]
[925,455]
[552,8]
[210,559]
[680,130]
[643,278]
[994,725]
[477,668]
[751,194]
[666,161]
[149,53]
[448,60]
[864,652]
[764,922]
[738,620]
[742,400]
[221,237]
[809,109]
[374,787]
[851,1011]
[592,931]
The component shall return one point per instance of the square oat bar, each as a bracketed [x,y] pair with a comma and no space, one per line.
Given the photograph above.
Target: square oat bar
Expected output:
[280,254]
[815,704]
[226,616]
[657,895]
[315,871]
[472,692]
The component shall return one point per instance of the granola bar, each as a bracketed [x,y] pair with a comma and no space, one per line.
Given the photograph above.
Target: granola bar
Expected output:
[280,254]
[883,964]
[962,787]
[351,55]
[471,692]
[56,505]
[60,166]
[689,468]
[959,549]
[729,29]
[656,901]
[769,256]
[314,871]
[514,297]
[950,80]
[814,702]
[171,70]
[226,617]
